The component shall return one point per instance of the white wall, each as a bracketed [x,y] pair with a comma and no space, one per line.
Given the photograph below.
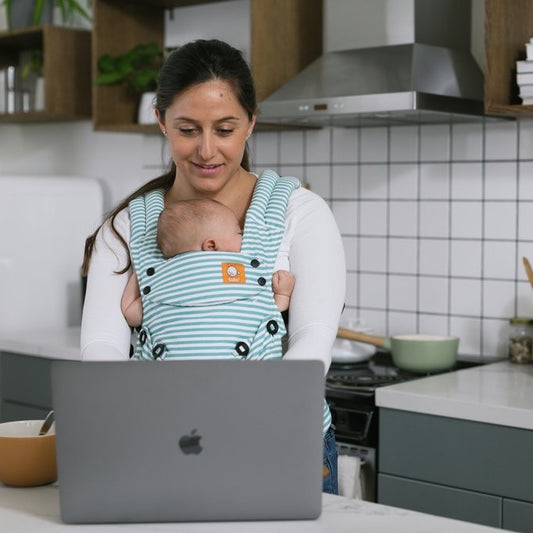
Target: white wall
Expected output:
[435,219]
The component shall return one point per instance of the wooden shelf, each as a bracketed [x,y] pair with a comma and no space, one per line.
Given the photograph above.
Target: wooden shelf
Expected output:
[508,26]
[66,70]
[286,35]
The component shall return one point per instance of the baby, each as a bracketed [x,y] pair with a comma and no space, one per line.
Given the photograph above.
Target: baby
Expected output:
[199,225]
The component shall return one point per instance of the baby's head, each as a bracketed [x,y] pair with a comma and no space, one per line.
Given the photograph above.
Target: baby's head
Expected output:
[198,224]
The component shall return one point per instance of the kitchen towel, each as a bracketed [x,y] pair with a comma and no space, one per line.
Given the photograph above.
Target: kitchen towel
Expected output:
[349,473]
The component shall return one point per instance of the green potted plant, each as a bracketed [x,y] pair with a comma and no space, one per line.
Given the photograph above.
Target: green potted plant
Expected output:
[137,69]
[22,13]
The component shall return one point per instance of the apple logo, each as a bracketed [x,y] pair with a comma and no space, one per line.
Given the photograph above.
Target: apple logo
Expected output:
[190,443]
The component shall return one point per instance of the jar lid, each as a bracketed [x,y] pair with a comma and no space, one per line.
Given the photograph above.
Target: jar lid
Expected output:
[521,321]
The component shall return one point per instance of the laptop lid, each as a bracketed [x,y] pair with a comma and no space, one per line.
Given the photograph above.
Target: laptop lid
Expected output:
[188,440]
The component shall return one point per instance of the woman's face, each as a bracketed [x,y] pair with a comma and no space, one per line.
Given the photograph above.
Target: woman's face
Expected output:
[207,129]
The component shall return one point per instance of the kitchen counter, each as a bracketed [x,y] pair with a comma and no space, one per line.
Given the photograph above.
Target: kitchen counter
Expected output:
[61,343]
[497,393]
[37,509]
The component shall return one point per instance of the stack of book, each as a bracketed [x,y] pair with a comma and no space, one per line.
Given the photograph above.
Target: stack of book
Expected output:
[524,75]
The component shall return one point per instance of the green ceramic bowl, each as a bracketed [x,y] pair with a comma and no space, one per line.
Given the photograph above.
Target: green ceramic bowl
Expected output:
[424,353]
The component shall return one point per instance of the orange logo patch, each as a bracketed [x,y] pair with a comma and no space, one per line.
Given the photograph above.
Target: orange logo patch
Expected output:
[233,273]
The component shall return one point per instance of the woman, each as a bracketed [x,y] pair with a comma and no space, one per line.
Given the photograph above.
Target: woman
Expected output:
[206,108]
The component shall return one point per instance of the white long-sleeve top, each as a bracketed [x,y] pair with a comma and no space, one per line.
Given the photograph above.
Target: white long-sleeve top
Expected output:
[311,249]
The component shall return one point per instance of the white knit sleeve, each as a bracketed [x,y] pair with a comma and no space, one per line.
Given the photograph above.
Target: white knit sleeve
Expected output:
[105,335]
[313,246]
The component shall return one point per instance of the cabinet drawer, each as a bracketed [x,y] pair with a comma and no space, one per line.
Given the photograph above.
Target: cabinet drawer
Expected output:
[25,379]
[484,458]
[438,500]
[518,516]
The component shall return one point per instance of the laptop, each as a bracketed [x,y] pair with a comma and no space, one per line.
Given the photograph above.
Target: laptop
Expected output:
[173,441]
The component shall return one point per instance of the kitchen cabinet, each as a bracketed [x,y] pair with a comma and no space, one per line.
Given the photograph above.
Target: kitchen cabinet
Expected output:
[25,391]
[66,70]
[461,469]
[286,35]
[508,26]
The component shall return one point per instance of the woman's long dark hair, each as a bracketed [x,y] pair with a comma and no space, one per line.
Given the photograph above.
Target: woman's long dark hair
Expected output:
[192,64]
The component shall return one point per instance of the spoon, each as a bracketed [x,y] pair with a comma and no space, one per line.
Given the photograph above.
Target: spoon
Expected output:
[48,421]
[529,270]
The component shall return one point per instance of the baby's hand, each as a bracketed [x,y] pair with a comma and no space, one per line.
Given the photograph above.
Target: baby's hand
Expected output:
[283,282]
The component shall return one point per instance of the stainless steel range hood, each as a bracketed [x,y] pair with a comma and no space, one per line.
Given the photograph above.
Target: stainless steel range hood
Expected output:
[434,79]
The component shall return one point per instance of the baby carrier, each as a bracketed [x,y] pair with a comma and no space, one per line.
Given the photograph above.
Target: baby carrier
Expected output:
[216,305]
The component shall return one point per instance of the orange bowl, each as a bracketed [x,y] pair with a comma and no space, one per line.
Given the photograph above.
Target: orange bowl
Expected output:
[27,459]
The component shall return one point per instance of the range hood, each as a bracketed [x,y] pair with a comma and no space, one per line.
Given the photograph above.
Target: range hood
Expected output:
[434,79]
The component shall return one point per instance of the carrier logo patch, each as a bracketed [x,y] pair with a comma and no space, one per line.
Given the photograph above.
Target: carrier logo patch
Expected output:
[233,273]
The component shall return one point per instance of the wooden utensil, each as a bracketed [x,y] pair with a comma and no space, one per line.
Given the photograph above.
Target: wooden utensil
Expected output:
[529,270]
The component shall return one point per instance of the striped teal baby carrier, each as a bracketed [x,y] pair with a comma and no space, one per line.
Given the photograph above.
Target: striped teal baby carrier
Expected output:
[204,304]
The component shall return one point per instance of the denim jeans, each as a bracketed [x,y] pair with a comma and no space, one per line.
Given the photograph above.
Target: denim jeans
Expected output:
[330,483]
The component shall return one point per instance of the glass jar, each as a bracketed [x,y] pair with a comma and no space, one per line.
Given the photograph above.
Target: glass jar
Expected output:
[521,340]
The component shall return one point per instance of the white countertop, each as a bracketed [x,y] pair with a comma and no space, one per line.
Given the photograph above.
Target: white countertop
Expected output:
[61,343]
[37,509]
[496,393]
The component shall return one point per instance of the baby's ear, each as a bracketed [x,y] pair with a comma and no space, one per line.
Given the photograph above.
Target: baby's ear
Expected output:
[209,245]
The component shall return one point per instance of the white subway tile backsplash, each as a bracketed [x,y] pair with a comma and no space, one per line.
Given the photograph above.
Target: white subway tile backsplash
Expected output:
[318,179]
[525,180]
[433,324]
[267,150]
[401,323]
[346,216]
[317,145]
[525,143]
[467,181]
[374,181]
[404,143]
[469,332]
[402,293]
[373,254]
[403,256]
[500,180]
[465,297]
[498,299]
[345,181]
[525,220]
[374,145]
[466,220]
[499,220]
[433,295]
[403,219]
[404,181]
[495,335]
[434,220]
[434,257]
[524,300]
[373,290]
[345,148]
[499,259]
[291,147]
[351,254]
[435,143]
[465,260]
[374,218]
[467,142]
[434,181]
[501,140]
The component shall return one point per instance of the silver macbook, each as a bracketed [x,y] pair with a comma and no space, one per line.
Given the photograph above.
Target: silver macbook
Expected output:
[188,440]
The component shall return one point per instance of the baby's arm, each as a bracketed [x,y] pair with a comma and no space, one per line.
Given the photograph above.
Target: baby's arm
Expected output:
[131,303]
[282,286]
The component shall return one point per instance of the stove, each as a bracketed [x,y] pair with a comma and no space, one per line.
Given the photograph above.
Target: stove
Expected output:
[350,393]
